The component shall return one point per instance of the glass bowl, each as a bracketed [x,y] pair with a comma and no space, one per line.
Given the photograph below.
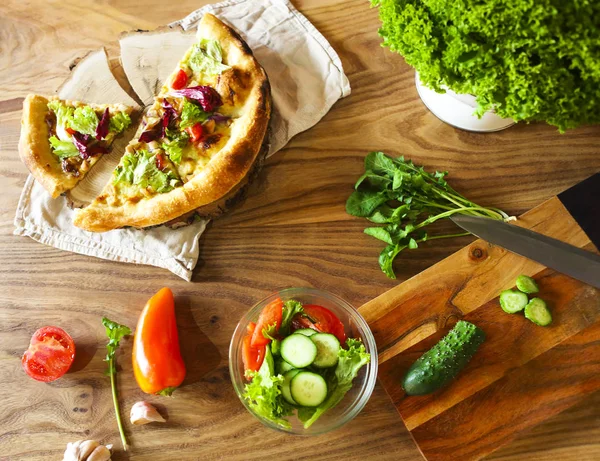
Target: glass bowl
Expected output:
[356,327]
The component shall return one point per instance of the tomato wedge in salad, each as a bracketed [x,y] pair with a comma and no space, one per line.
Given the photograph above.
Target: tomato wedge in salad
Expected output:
[321,319]
[271,314]
[50,355]
[252,357]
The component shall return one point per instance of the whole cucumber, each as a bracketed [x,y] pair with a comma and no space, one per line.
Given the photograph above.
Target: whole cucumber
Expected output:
[440,364]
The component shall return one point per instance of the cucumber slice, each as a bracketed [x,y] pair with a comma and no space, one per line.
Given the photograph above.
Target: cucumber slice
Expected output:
[308,389]
[537,311]
[526,284]
[282,367]
[305,332]
[285,386]
[298,350]
[328,347]
[513,301]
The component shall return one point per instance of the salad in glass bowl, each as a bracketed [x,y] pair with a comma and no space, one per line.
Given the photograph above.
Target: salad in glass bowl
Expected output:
[303,361]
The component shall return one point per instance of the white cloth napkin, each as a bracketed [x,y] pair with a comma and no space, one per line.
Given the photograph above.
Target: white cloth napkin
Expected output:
[306,78]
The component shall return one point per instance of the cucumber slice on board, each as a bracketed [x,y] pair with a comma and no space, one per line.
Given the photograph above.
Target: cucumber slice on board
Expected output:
[285,386]
[308,389]
[526,284]
[328,347]
[305,332]
[513,301]
[298,350]
[442,363]
[537,311]
[282,367]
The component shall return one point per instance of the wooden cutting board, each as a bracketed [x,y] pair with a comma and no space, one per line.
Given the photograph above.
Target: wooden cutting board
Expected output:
[523,373]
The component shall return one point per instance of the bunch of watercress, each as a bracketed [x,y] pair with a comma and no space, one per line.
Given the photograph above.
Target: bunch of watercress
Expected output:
[527,60]
[405,199]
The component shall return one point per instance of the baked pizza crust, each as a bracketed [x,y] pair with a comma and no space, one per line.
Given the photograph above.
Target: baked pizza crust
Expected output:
[225,170]
[34,145]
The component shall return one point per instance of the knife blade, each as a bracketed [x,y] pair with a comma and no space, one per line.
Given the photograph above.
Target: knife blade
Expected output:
[575,262]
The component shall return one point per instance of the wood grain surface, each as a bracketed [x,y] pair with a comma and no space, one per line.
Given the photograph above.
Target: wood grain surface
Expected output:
[291,230]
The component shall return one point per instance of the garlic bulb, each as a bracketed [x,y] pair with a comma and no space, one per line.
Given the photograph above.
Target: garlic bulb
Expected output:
[87,450]
[144,413]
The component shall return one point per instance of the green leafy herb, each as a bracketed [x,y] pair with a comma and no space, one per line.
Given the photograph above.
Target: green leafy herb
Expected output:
[119,122]
[84,120]
[350,361]
[63,112]
[63,149]
[191,114]
[405,199]
[140,169]
[115,333]
[527,60]
[206,57]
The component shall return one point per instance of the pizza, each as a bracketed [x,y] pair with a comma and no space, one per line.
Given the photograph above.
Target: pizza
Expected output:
[61,140]
[197,143]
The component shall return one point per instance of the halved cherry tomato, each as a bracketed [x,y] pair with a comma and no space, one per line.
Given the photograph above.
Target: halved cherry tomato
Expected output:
[252,357]
[271,314]
[180,80]
[50,355]
[70,130]
[195,132]
[320,319]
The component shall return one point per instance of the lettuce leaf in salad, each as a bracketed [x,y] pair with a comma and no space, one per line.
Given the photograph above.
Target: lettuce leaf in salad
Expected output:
[263,393]
[350,361]
[119,122]
[191,114]
[174,144]
[63,112]
[63,149]
[84,120]
[207,58]
[290,309]
[140,169]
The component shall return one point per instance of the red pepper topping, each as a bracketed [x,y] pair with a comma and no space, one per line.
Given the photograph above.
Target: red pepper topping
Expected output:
[180,80]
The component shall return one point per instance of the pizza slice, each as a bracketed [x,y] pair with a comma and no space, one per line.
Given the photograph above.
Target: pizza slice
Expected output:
[61,140]
[197,144]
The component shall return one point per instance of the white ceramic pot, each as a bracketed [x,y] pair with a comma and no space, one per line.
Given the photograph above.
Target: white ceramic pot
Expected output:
[457,110]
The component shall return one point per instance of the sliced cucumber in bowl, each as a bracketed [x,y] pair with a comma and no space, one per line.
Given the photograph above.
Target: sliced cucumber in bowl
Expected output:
[298,350]
[308,389]
[328,347]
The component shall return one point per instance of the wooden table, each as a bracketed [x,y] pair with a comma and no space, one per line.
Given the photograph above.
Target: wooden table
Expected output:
[291,231]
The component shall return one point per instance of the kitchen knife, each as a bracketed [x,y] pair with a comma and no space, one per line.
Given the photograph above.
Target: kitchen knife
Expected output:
[575,262]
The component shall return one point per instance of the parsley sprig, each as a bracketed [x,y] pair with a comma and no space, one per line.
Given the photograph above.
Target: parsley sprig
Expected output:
[405,199]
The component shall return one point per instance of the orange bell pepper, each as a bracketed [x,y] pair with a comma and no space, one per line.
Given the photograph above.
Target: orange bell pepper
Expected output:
[157,363]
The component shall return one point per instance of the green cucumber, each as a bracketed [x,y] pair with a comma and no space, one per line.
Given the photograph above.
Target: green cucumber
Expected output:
[282,367]
[328,347]
[305,332]
[308,389]
[442,363]
[526,284]
[298,350]
[537,311]
[285,386]
[513,301]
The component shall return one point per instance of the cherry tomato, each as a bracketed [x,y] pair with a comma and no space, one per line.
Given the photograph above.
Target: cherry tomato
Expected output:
[252,357]
[70,130]
[180,80]
[195,132]
[160,162]
[50,355]
[321,319]
[271,313]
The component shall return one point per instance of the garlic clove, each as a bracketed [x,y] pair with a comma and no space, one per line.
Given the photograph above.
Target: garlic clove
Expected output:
[86,448]
[144,413]
[101,453]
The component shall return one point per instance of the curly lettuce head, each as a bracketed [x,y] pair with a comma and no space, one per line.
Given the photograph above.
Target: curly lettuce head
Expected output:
[528,60]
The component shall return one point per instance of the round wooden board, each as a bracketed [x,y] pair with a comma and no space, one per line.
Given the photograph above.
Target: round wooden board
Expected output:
[292,230]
